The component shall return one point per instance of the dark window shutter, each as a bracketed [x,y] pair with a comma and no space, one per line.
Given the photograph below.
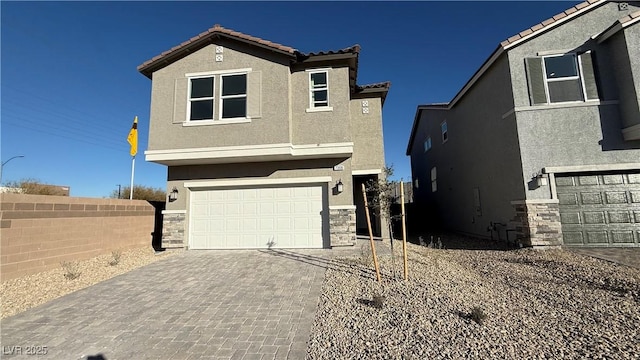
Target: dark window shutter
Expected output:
[588,76]
[535,77]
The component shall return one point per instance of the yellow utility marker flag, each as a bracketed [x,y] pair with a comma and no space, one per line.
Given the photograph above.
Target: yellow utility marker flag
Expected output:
[133,137]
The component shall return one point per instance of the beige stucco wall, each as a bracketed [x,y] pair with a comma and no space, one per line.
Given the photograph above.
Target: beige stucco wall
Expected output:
[366,130]
[326,126]
[170,92]
[178,175]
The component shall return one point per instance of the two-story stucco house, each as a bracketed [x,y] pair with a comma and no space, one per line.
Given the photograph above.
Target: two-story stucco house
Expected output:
[265,146]
[542,144]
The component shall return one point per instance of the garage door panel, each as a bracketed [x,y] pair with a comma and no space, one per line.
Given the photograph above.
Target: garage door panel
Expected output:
[594,217]
[597,237]
[590,198]
[280,216]
[616,197]
[613,179]
[622,237]
[568,199]
[600,209]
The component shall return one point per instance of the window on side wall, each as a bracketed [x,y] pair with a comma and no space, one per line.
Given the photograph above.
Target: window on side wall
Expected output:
[561,78]
[427,144]
[434,183]
[201,99]
[444,131]
[319,89]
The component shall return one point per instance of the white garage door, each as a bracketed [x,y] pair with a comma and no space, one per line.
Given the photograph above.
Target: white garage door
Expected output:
[258,217]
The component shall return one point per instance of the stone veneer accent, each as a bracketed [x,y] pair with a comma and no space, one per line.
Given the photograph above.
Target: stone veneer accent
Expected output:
[537,223]
[173,230]
[342,225]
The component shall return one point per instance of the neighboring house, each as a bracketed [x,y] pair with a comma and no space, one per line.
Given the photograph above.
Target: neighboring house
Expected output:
[542,144]
[265,146]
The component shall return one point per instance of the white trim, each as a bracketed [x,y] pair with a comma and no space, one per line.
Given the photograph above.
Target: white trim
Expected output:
[560,106]
[444,132]
[535,201]
[342,207]
[240,96]
[318,69]
[216,122]
[250,152]
[366,172]
[174,212]
[212,98]
[552,186]
[553,52]
[319,109]
[217,72]
[590,168]
[312,89]
[631,132]
[256,182]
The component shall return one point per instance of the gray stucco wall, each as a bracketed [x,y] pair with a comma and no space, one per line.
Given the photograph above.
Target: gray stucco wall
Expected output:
[578,133]
[572,35]
[325,126]
[366,130]
[170,91]
[482,148]
[624,48]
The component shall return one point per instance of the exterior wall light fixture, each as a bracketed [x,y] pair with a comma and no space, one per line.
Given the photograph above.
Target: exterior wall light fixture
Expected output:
[173,195]
[339,186]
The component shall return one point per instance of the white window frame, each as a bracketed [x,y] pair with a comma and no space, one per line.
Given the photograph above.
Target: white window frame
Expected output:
[224,97]
[580,77]
[312,106]
[434,179]
[444,131]
[427,144]
[212,98]
[217,97]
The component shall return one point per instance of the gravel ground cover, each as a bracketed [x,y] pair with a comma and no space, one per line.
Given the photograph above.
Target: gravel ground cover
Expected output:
[26,292]
[550,304]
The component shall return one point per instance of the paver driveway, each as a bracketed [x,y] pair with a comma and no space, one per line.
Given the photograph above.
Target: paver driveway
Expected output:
[194,305]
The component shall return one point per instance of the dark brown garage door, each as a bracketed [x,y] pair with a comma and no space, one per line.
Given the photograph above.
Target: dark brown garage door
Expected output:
[600,209]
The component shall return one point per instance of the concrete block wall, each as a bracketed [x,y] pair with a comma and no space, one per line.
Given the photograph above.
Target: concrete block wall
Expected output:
[38,232]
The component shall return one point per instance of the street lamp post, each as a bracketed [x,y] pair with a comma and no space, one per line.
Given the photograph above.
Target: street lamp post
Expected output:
[4,163]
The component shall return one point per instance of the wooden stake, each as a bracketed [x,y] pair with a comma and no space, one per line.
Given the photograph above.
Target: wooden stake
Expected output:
[373,246]
[404,232]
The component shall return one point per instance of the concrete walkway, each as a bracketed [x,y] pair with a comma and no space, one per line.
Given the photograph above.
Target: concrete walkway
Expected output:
[194,305]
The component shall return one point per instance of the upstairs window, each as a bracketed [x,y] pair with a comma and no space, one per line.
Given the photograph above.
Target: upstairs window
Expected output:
[229,102]
[233,98]
[427,144]
[201,98]
[561,78]
[444,131]
[319,89]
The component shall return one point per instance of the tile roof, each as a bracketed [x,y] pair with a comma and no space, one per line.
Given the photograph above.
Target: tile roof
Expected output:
[630,17]
[380,85]
[510,43]
[355,49]
[216,29]
[549,22]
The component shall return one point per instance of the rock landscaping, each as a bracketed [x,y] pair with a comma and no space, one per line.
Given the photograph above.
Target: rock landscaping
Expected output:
[478,304]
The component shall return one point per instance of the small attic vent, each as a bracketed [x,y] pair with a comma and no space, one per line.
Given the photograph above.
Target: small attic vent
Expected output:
[623,6]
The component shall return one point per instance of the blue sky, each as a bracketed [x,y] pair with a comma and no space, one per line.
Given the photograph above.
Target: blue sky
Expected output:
[70,88]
